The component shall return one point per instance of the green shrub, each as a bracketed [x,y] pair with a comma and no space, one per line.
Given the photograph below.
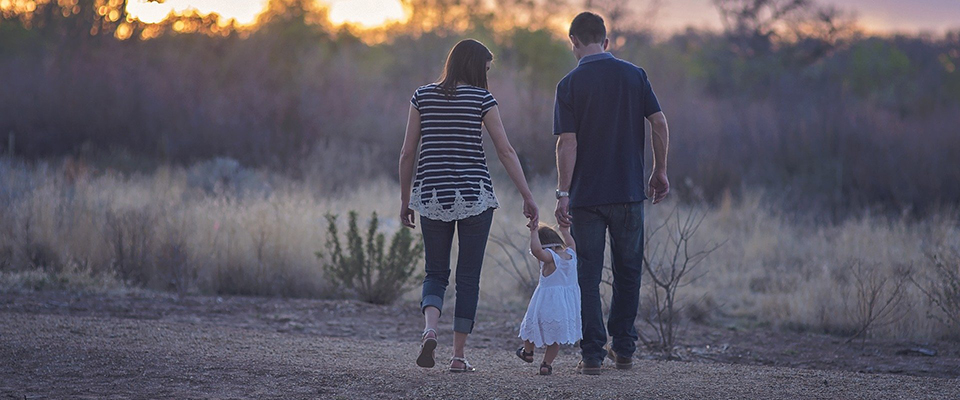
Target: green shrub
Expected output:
[363,268]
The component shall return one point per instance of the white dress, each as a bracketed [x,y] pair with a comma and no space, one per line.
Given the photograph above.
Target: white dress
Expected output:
[553,315]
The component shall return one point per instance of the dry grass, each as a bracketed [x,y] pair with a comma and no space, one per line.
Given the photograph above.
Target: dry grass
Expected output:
[60,228]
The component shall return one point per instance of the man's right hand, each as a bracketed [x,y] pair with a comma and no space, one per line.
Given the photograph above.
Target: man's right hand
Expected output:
[659,185]
[563,212]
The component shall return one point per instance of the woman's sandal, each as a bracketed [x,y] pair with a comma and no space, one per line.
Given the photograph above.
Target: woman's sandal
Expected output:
[428,347]
[546,366]
[526,357]
[466,365]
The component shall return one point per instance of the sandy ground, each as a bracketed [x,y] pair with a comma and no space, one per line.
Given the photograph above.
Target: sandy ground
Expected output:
[65,346]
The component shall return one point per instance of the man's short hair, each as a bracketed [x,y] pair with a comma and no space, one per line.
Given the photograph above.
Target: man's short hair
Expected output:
[588,28]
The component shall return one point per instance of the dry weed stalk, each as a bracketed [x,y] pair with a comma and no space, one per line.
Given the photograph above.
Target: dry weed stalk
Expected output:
[515,261]
[943,289]
[879,296]
[671,264]
[130,234]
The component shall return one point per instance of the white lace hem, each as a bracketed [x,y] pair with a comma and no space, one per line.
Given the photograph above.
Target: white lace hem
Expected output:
[544,333]
[460,209]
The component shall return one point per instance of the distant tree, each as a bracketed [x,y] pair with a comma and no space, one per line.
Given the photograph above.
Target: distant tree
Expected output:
[297,12]
[72,20]
[752,25]
[534,14]
[445,17]
[624,18]
[816,32]
[756,27]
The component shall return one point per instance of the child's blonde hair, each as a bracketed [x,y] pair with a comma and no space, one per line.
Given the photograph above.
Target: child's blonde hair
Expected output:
[549,237]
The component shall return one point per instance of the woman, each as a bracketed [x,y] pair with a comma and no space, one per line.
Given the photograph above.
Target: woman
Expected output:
[452,189]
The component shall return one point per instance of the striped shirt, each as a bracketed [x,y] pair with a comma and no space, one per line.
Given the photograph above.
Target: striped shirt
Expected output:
[452,181]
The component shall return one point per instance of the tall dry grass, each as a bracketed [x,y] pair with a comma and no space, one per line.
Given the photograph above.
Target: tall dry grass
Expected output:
[219,228]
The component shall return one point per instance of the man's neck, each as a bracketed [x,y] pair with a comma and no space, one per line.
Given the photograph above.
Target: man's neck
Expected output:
[592,49]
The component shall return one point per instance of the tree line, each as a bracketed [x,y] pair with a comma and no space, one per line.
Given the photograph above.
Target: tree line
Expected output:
[790,97]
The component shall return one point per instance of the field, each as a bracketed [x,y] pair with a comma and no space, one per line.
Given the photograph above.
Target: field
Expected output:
[169,191]
[218,229]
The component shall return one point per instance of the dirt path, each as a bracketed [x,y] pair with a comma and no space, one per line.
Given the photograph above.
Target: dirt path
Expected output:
[160,348]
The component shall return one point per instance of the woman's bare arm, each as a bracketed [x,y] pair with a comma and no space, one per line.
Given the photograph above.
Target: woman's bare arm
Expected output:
[510,161]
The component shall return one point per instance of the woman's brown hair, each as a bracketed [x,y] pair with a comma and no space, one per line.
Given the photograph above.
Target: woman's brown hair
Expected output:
[549,236]
[466,64]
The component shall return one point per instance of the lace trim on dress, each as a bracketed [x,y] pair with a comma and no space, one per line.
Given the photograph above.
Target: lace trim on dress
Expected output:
[544,333]
[460,209]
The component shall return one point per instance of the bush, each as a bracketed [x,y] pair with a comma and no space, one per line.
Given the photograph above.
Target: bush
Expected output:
[943,288]
[364,269]
[174,266]
[671,262]
[879,295]
[130,234]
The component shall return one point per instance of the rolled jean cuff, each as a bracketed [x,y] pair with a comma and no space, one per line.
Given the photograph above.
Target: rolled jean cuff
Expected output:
[431,300]
[462,325]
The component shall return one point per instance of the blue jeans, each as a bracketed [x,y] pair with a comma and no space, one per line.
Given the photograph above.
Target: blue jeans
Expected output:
[590,225]
[437,241]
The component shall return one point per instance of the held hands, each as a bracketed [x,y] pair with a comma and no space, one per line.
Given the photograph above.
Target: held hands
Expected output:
[563,212]
[531,211]
[659,185]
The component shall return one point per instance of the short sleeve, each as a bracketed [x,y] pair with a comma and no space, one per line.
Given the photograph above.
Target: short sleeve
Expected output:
[650,103]
[415,100]
[564,119]
[488,103]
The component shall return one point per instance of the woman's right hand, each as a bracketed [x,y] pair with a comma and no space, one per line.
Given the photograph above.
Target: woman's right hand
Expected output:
[407,216]
[531,211]
[532,226]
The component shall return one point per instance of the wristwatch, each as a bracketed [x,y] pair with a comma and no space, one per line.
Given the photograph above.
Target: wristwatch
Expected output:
[561,193]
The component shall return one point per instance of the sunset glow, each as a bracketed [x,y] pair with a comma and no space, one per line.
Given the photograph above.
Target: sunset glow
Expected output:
[243,11]
[367,13]
[874,15]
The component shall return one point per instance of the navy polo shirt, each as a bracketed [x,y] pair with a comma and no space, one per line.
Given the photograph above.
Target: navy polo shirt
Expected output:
[605,101]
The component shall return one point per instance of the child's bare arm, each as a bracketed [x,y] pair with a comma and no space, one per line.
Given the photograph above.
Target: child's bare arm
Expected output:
[568,238]
[535,247]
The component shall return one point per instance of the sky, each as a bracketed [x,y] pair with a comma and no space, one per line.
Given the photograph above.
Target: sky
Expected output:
[907,16]
[363,12]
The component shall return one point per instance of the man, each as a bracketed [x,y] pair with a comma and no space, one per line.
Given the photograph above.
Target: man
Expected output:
[599,118]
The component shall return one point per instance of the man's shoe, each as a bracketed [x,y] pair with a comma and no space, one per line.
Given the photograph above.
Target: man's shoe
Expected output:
[587,367]
[620,362]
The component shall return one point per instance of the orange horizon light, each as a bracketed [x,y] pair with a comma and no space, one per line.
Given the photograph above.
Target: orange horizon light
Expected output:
[360,13]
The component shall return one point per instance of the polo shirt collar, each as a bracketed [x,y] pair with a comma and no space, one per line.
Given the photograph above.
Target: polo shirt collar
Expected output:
[595,57]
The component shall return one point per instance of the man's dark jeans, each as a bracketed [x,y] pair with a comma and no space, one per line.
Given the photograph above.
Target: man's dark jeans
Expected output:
[437,241]
[590,225]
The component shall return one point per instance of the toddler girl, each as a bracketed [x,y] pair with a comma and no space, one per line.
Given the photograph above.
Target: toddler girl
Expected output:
[553,316]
